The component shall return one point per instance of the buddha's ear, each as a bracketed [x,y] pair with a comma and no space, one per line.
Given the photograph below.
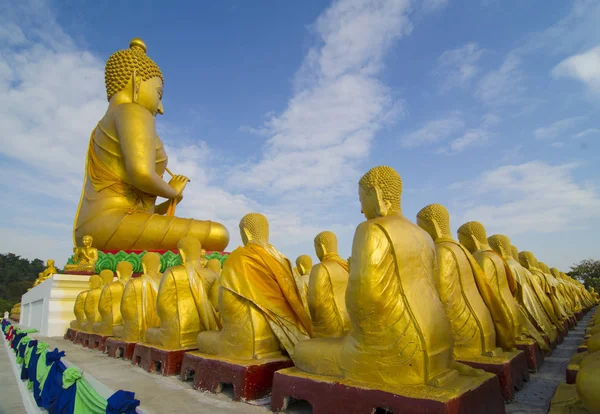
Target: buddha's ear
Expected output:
[135,85]
[383,206]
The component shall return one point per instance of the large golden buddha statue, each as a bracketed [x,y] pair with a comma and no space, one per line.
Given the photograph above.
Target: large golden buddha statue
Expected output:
[47,273]
[92,314]
[109,304]
[400,334]
[183,301]
[125,164]
[479,321]
[85,257]
[259,301]
[535,318]
[138,304]
[79,308]
[472,235]
[327,289]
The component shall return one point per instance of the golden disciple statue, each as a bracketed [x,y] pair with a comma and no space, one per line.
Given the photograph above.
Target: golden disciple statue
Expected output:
[79,308]
[478,318]
[553,291]
[259,300]
[400,334]
[85,257]
[535,317]
[303,267]
[47,273]
[183,302]
[92,314]
[215,266]
[472,235]
[125,164]
[109,304]
[138,304]
[327,289]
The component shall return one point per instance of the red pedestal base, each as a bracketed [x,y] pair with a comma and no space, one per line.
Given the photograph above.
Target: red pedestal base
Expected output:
[96,342]
[251,380]
[116,348]
[512,371]
[163,361]
[582,348]
[80,338]
[70,335]
[571,375]
[327,396]
[579,315]
[534,355]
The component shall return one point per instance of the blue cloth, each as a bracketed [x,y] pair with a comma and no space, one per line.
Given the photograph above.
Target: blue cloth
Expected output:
[32,372]
[122,402]
[66,400]
[24,369]
[54,356]
[17,339]
[53,386]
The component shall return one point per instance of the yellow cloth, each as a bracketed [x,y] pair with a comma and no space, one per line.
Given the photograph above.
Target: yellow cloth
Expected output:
[138,308]
[268,283]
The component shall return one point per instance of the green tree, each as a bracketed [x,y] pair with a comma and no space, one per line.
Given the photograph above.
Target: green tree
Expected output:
[17,274]
[587,272]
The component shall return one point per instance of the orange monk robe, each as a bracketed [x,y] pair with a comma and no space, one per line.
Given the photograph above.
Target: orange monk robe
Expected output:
[138,308]
[264,277]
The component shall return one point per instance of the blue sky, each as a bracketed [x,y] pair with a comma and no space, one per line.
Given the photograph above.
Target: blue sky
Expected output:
[489,107]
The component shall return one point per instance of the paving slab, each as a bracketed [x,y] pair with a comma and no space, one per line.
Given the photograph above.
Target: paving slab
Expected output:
[10,398]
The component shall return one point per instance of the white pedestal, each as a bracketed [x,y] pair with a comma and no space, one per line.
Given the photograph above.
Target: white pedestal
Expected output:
[48,307]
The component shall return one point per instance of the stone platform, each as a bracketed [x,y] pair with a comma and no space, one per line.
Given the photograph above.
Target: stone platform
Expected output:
[251,380]
[511,369]
[117,348]
[533,353]
[329,396]
[154,359]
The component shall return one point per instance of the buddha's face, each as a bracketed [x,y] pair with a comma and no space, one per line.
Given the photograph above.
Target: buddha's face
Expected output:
[244,235]
[468,242]
[150,95]
[319,251]
[87,241]
[50,263]
[369,204]
[428,226]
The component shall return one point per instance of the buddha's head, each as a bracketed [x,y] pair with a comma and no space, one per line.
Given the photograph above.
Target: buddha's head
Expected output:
[501,245]
[544,267]
[254,227]
[124,271]
[151,263]
[107,276]
[325,243]
[514,252]
[50,263]
[555,272]
[190,249]
[304,264]
[472,235]
[132,77]
[380,192]
[87,241]
[95,282]
[214,265]
[527,260]
[435,220]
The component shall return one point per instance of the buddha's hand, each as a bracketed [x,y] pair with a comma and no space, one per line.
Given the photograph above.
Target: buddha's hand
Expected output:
[178,183]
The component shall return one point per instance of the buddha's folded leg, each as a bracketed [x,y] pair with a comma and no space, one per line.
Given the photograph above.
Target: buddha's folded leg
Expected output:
[320,356]
[154,336]
[116,229]
[118,330]
[208,342]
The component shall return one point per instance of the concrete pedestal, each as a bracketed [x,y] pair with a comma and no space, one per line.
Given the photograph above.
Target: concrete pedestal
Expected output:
[48,307]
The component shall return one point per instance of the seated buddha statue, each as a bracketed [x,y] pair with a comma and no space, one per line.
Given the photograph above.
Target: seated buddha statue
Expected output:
[563,291]
[555,297]
[183,301]
[399,334]
[92,315]
[327,289]
[535,318]
[529,262]
[79,308]
[125,164]
[303,267]
[472,235]
[259,301]
[479,321]
[85,257]
[138,304]
[109,304]
[47,273]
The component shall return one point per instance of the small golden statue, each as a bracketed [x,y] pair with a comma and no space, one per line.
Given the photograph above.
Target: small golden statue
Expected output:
[92,315]
[400,334]
[303,267]
[562,290]
[138,305]
[554,293]
[259,300]
[479,321]
[327,289]
[125,165]
[109,304]
[85,257]
[47,273]
[94,282]
[183,301]
[215,266]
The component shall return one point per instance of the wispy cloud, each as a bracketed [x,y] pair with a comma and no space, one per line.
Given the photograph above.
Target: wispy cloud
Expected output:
[457,67]
[587,132]
[558,128]
[436,130]
[503,85]
[583,67]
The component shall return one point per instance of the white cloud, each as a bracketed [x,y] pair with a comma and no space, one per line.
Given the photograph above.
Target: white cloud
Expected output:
[587,132]
[503,85]
[459,66]
[584,67]
[472,137]
[434,131]
[557,128]
[530,197]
